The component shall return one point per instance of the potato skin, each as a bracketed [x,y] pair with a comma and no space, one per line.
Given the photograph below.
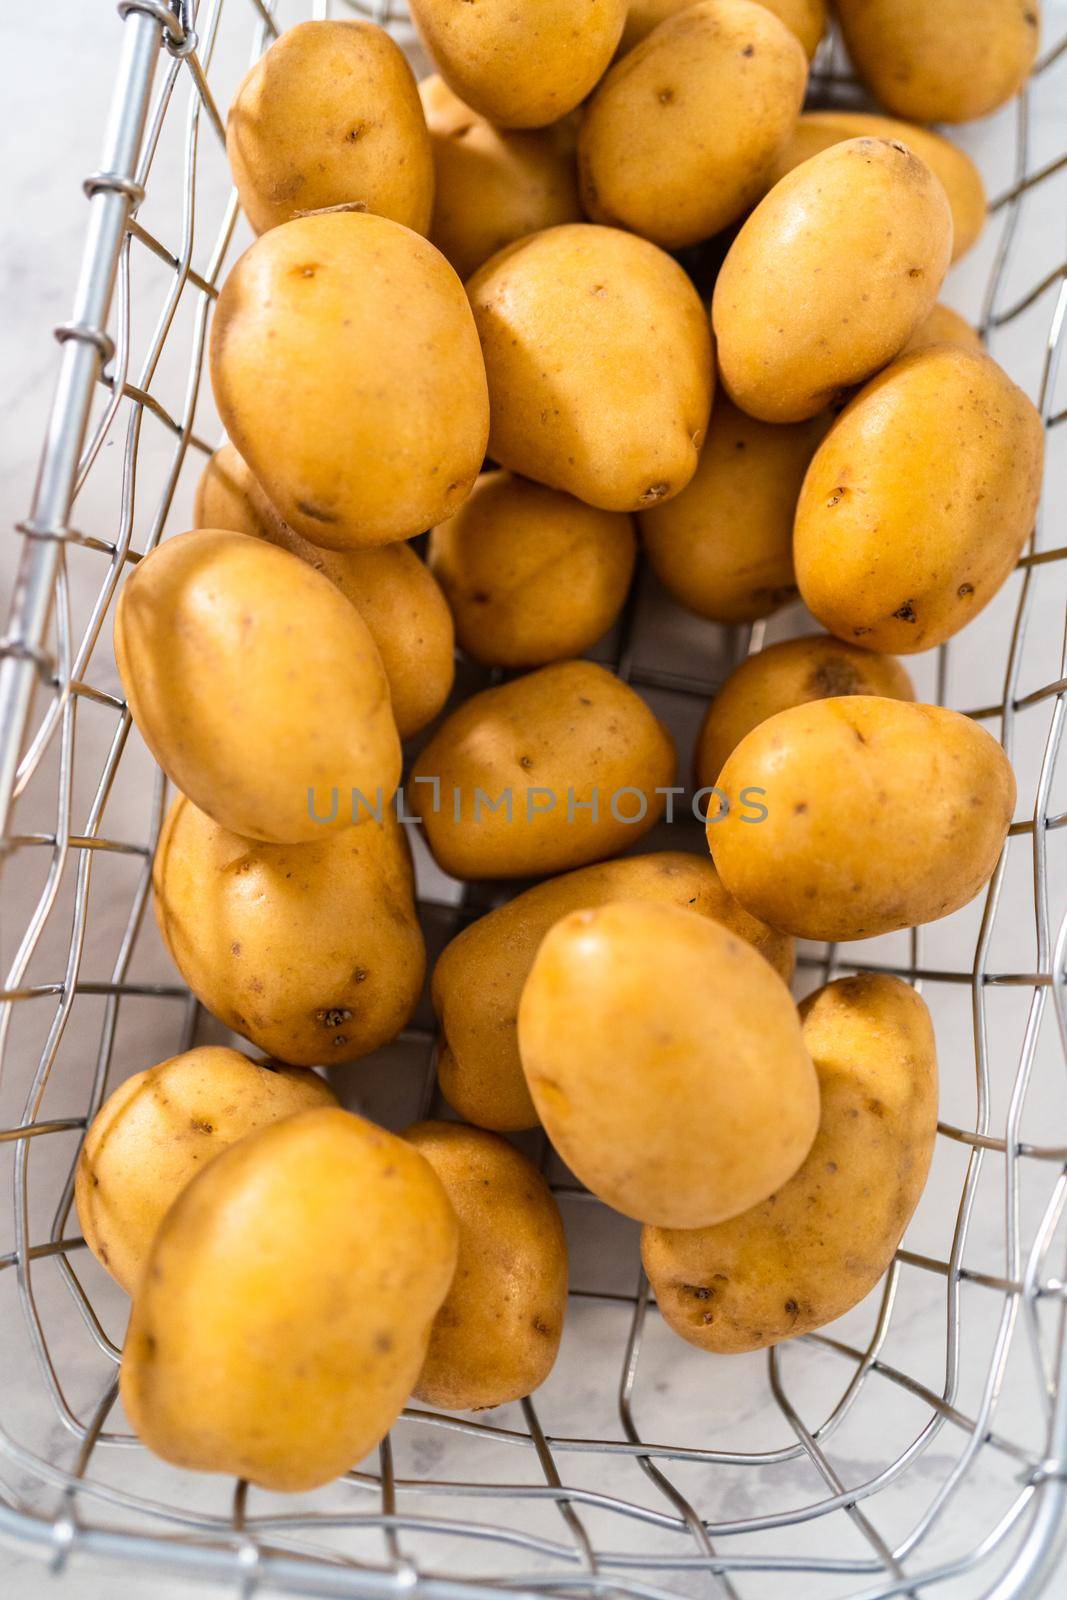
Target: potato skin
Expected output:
[312,952]
[818,1246]
[346,370]
[394,592]
[942,440]
[806,19]
[724,546]
[789,673]
[532,575]
[881,814]
[949,62]
[676,140]
[497,1334]
[479,976]
[493,185]
[806,303]
[572,729]
[322,1247]
[330,116]
[253,682]
[521,67]
[598,356]
[944,326]
[157,1130]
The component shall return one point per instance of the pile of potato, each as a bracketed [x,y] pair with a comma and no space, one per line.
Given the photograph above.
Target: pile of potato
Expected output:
[296,1272]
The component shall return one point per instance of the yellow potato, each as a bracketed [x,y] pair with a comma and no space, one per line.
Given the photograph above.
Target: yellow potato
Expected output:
[599,361]
[724,546]
[829,277]
[961,179]
[666,1062]
[918,502]
[521,66]
[159,1129]
[678,137]
[330,116]
[496,1337]
[948,62]
[881,814]
[345,367]
[804,18]
[286,1305]
[479,975]
[255,685]
[819,1245]
[944,326]
[312,952]
[564,766]
[786,674]
[493,185]
[394,592]
[532,575]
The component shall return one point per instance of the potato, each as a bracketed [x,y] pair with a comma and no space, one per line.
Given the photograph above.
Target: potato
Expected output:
[818,1246]
[880,815]
[598,356]
[532,575]
[786,674]
[521,66]
[330,116]
[286,1305]
[564,766]
[496,1336]
[314,952]
[944,326]
[677,138]
[479,975]
[394,592]
[724,546]
[829,277]
[665,1060]
[346,370]
[257,688]
[493,186]
[157,1130]
[961,179]
[942,441]
[949,62]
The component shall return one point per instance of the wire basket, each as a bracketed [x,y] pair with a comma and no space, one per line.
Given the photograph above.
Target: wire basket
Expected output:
[918,1446]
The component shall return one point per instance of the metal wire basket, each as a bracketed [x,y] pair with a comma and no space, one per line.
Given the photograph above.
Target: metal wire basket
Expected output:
[917,1446]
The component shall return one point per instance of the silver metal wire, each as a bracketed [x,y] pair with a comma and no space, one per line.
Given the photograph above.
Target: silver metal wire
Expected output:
[731,1518]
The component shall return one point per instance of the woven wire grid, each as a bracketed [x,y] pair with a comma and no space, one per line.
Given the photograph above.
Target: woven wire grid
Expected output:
[839,1463]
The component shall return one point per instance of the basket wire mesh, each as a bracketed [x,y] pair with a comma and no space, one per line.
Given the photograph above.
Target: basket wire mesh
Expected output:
[635,1501]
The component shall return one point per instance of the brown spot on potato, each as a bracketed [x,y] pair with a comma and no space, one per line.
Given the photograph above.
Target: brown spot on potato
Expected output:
[333,1016]
[906,612]
[201,1126]
[316,513]
[655,491]
[964,590]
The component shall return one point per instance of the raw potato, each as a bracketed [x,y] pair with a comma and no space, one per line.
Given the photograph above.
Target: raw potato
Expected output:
[804,18]
[944,326]
[819,1245]
[159,1129]
[286,1306]
[330,116]
[948,62]
[493,186]
[598,355]
[829,277]
[881,814]
[255,685]
[521,66]
[496,1337]
[394,592]
[532,575]
[677,139]
[789,673]
[918,502]
[346,370]
[724,546]
[312,952]
[579,753]
[479,975]
[665,1060]
[961,179]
